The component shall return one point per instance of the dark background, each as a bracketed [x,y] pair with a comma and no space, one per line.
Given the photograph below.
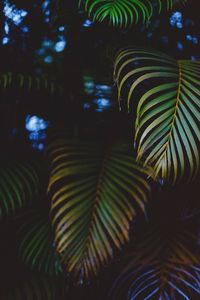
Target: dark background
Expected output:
[89,51]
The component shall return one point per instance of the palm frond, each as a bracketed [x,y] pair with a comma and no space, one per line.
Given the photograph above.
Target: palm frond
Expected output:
[124,12]
[162,266]
[39,288]
[19,184]
[29,83]
[168,111]
[37,247]
[95,193]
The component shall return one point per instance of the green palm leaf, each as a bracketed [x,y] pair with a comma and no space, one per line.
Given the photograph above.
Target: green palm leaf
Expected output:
[19,184]
[36,289]
[124,12]
[95,194]
[168,111]
[36,245]
[20,81]
[162,266]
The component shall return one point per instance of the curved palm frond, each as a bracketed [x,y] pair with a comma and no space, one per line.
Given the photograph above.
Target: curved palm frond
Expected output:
[20,81]
[124,12]
[19,184]
[163,266]
[95,193]
[168,111]
[168,4]
[36,245]
[36,289]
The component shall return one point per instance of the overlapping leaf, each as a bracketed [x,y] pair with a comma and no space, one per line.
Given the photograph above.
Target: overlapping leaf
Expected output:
[163,266]
[124,12]
[36,245]
[168,111]
[19,184]
[95,194]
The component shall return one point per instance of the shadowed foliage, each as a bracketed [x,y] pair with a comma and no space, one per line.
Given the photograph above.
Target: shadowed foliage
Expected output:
[39,288]
[29,83]
[163,265]
[19,185]
[37,246]
[78,206]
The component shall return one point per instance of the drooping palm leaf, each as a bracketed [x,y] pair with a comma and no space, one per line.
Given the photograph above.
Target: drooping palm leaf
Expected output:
[162,266]
[95,194]
[19,184]
[39,288]
[20,81]
[168,111]
[36,245]
[124,12]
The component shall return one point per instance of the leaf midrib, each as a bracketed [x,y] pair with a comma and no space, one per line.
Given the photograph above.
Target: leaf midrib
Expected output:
[94,207]
[175,113]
